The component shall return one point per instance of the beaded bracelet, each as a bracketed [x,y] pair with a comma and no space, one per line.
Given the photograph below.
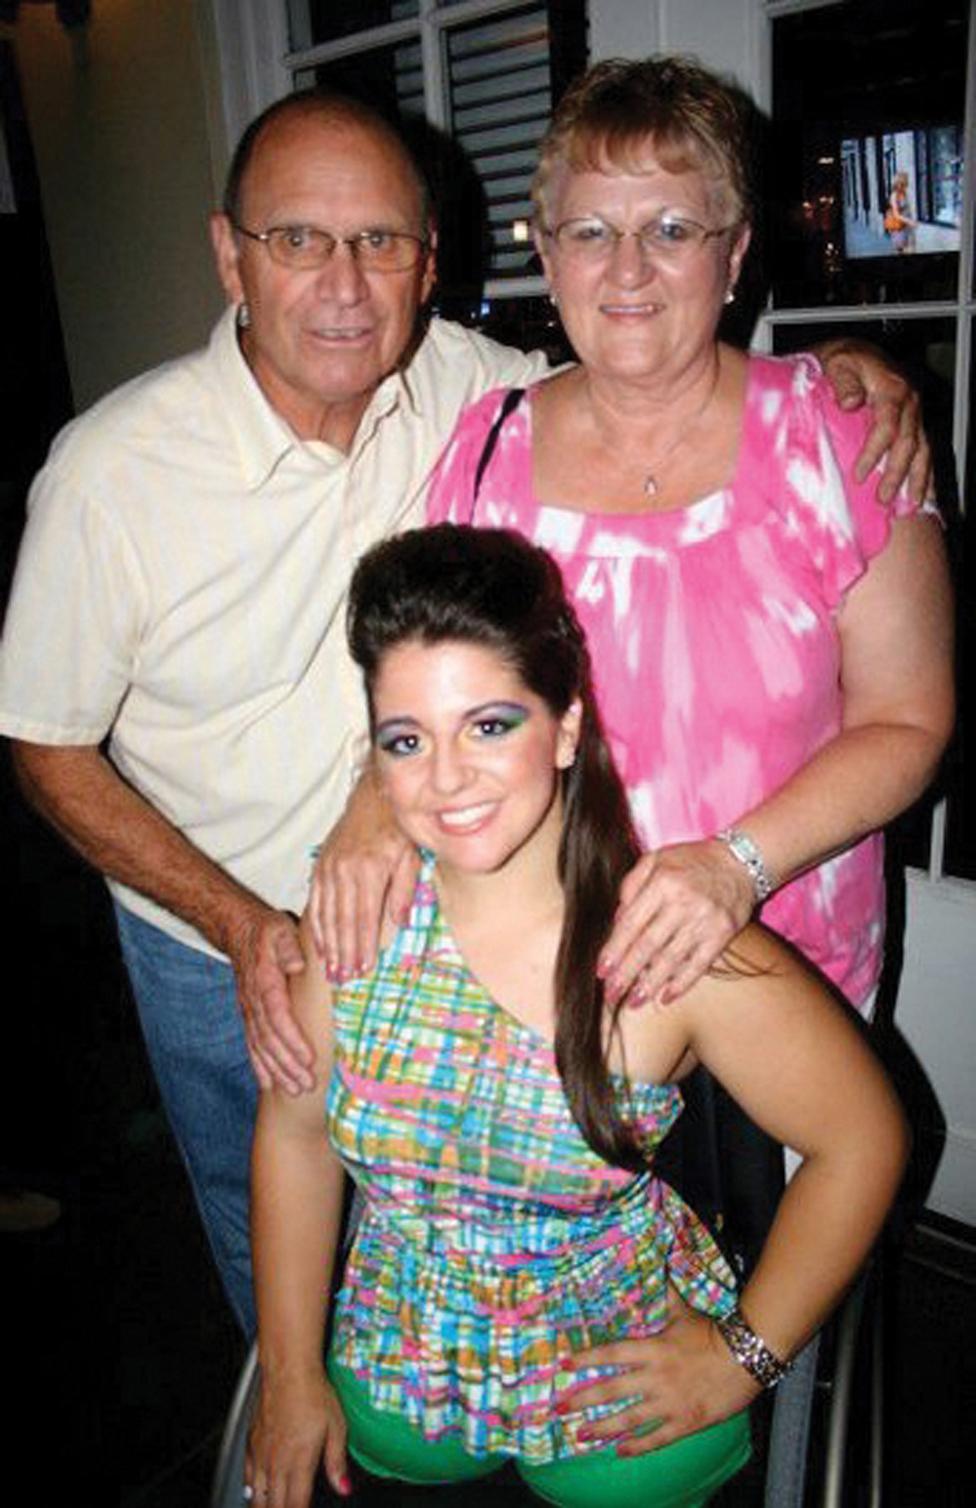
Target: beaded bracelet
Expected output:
[751,1351]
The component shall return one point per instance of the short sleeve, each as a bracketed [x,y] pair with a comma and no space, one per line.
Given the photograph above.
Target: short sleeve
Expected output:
[836,519]
[451,494]
[69,640]
[501,366]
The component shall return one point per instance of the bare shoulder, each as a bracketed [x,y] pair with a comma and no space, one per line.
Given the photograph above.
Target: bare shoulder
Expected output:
[784,1046]
[758,971]
[760,992]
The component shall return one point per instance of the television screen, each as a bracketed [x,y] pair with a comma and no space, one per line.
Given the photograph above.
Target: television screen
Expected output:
[902,192]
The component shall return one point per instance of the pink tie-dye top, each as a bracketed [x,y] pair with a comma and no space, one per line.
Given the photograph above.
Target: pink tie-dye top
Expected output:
[712,628]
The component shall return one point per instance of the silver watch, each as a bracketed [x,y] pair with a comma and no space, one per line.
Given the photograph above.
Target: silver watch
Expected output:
[749,854]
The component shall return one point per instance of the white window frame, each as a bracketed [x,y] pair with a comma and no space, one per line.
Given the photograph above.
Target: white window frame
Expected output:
[961,310]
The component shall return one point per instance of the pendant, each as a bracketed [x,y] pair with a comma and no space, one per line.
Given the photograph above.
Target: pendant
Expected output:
[650,485]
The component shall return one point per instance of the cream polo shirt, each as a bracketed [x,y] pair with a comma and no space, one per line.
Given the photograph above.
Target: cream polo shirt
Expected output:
[181,588]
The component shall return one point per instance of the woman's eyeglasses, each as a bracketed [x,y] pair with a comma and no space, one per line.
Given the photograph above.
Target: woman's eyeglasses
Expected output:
[587,238]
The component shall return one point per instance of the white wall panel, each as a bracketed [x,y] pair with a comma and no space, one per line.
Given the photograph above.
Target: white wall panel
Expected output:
[725,34]
[937,1015]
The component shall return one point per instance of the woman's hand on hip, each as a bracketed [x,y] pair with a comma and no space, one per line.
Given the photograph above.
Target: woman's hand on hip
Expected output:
[681,1380]
[679,908]
[298,1424]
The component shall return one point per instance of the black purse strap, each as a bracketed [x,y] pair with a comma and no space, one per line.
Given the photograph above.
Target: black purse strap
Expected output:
[510,403]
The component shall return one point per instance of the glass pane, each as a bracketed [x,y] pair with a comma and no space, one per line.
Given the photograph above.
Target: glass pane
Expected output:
[388,78]
[866,159]
[926,351]
[314,21]
[531,324]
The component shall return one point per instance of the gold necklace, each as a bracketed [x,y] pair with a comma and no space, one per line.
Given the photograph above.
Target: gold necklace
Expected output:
[652,485]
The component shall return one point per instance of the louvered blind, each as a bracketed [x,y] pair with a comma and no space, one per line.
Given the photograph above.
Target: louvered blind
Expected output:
[499,100]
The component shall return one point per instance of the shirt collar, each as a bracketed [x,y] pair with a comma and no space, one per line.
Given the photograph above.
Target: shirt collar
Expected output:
[262,438]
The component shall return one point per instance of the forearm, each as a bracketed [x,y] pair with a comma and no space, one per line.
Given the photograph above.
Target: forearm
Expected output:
[817,1087]
[119,833]
[854,785]
[296,1186]
[828,1220]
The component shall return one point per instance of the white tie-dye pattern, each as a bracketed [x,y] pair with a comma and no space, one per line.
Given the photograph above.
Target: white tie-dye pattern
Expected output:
[782,674]
[712,632]
[643,808]
[731,779]
[620,574]
[821,488]
[492,515]
[770,407]
[830,875]
[590,587]
[805,374]
[798,617]
[560,530]
[704,519]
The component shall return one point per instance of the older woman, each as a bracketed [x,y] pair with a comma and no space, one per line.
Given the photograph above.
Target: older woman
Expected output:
[772,648]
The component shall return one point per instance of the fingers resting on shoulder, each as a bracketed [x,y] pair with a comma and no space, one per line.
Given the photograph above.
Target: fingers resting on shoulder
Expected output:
[358,883]
[679,909]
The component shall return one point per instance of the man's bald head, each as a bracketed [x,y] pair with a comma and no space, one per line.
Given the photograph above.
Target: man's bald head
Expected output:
[331,108]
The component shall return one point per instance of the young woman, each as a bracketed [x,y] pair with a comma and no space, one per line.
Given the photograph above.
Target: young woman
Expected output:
[897,222]
[520,1284]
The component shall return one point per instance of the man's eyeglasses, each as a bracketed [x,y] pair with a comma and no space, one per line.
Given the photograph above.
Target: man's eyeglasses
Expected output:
[304,248]
[672,237]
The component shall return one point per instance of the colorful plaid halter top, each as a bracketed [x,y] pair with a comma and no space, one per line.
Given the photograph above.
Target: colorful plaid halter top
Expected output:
[494,1241]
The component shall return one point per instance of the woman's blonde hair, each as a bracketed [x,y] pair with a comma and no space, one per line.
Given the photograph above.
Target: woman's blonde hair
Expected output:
[693,119]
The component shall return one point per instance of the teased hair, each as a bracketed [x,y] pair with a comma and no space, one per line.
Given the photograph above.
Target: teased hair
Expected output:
[491,587]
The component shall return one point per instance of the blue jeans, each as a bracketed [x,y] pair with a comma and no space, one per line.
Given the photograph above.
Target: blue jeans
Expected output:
[187,1003]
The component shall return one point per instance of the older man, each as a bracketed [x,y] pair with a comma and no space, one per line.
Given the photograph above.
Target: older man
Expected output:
[181,591]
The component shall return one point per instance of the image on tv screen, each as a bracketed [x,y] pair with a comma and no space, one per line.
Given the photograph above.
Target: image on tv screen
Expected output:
[902,192]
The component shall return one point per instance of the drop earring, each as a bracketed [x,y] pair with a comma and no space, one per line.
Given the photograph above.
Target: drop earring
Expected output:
[730,295]
[243,317]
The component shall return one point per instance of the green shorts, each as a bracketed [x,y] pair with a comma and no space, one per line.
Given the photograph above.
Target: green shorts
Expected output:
[681,1475]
